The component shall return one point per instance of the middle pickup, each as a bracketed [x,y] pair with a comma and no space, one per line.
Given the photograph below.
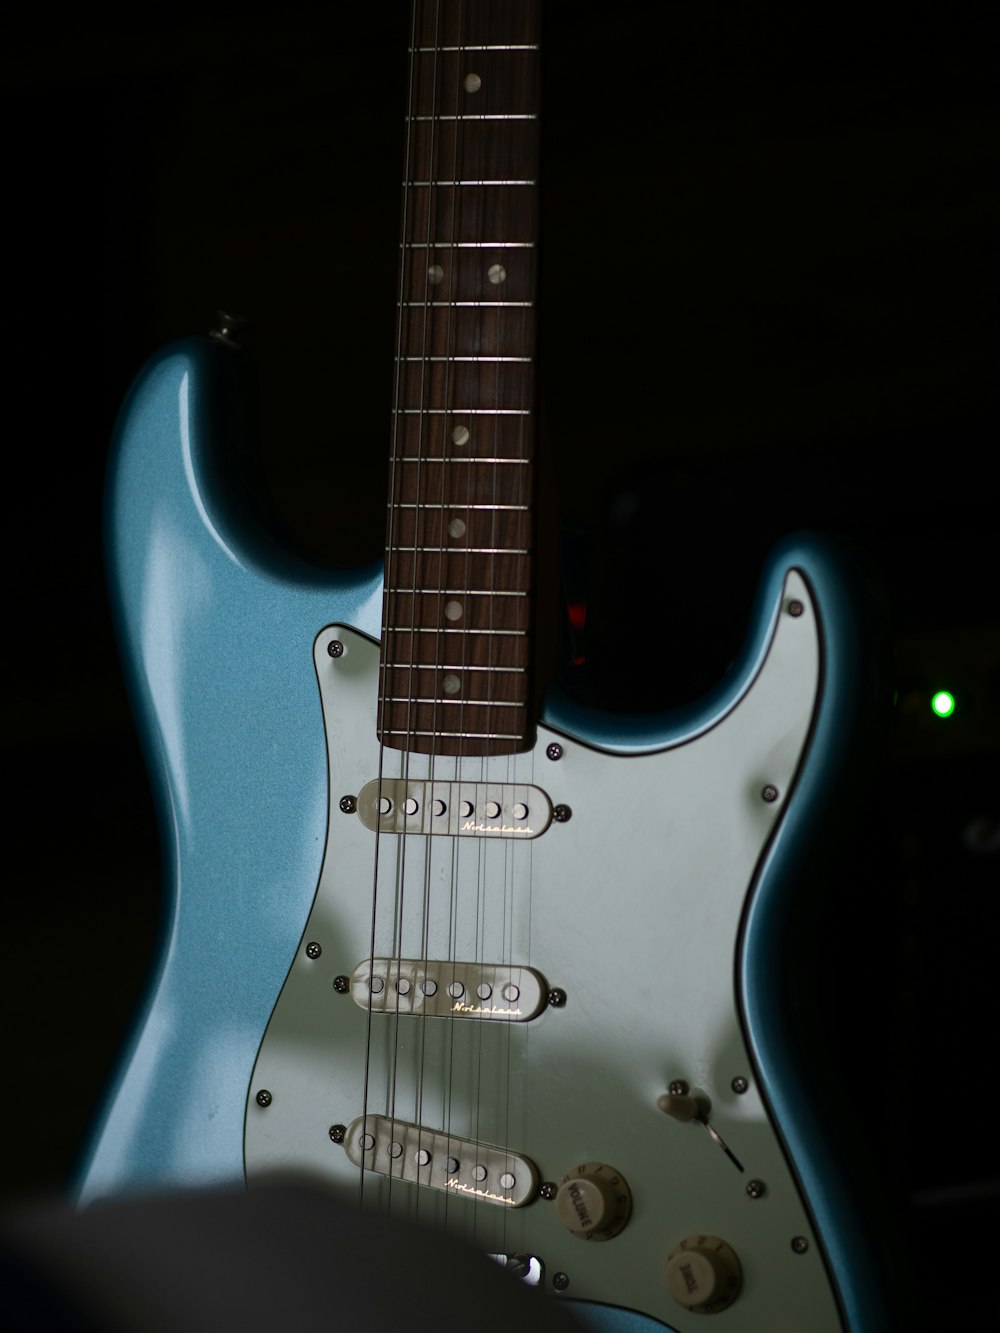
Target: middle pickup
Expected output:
[454,990]
[456,809]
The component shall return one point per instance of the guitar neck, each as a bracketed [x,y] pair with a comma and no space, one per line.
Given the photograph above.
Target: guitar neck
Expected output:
[455,664]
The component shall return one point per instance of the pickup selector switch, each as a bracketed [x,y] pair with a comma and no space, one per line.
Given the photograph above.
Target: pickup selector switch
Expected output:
[704,1274]
[593,1201]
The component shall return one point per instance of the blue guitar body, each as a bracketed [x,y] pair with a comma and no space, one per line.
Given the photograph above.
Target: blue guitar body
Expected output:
[224,636]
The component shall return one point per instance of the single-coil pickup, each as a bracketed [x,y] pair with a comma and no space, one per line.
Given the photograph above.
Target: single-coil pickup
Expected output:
[441,1161]
[458,809]
[456,990]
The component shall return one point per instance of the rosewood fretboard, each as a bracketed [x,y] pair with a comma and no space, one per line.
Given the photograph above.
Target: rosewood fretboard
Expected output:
[457,610]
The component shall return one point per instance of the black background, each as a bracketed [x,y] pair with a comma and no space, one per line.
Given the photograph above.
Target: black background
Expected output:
[767,303]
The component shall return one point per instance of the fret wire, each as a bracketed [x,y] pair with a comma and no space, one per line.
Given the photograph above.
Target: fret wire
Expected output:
[456,592]
[465,703]
[461,735]
[504,47]
[446,666]
[406,504]
[427,458]
[491,359]
[465,550]
[497,116]
[465,411]
[424,629]
[467,245]
[441,305]
[426,185]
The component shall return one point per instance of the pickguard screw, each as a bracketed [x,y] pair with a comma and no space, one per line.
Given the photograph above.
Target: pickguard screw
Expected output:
[800,1244]
[561,813]
[264,1098]
[756,1189]
[679,1088]
[341,985]
[337,1133]
[348,804]
[335,648]
[740,1084]
[548,1190]
[553,751]
[557,998]
[795,608]
[313,950]
[769,792]
[560,1281]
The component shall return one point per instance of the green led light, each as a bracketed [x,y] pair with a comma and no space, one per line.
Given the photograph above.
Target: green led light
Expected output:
[943,703]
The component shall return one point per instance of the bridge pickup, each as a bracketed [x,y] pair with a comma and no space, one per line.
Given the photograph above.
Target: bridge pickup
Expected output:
[458,809]
[453,990]
[441,1161]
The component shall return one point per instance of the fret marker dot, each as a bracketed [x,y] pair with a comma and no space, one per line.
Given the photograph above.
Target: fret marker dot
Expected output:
[453,610]
[435,274]
[460,435]
[472,83]
[451,684]
[456,528]
[496,273]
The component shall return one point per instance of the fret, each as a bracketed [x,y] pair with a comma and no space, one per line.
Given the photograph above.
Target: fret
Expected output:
[426,185]
[507,115]
[464,550]
[431,458]
[467,245]
[466,412]
[490,359]
[458,592]
[477,304]
[449,666]
[434,629]
[462,703]
[498,47]
[405,504]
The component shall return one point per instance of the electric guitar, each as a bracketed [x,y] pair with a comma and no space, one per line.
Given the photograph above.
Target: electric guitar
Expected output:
[503,974]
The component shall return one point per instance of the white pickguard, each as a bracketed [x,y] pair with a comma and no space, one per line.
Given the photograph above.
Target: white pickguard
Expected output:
[632,907]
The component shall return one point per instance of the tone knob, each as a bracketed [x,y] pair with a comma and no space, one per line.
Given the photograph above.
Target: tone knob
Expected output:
[704,1274]
[593,1201]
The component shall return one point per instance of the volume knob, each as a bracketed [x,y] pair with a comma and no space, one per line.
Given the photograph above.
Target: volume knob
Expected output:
[593,1201]
[704,1274]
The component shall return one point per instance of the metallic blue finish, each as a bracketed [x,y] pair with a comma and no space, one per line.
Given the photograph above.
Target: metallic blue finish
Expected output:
[217,627]
[849,1250]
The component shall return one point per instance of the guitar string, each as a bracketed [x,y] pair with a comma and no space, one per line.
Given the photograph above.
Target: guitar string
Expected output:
[435,171]
[449,443]
[424,429]
[390,637]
